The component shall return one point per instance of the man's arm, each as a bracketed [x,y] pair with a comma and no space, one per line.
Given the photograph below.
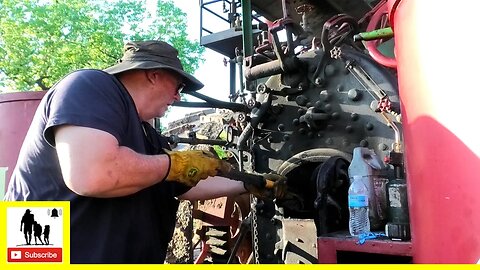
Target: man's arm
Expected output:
[93,164]
[213,187]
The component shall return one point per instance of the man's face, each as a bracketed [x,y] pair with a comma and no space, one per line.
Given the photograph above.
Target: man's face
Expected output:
[166,88]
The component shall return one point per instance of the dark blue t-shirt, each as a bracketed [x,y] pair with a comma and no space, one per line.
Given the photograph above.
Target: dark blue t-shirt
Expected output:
[129,229]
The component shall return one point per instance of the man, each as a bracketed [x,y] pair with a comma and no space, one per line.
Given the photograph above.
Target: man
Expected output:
[27,224]
[89,144]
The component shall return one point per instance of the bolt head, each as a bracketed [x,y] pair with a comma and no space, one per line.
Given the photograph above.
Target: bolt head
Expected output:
[369,126]
[354,94]
[363,143]
[261,88]
[354,116]
[325,95]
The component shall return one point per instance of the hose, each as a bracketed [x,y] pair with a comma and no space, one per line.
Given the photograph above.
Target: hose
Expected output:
[312,155]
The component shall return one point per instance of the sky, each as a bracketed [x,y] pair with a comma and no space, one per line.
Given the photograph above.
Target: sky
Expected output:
[212,73]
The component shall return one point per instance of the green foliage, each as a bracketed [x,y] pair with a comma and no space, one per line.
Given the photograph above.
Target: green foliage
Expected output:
[43,40]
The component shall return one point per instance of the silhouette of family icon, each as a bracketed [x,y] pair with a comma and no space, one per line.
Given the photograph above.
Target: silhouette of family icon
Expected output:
[28,225]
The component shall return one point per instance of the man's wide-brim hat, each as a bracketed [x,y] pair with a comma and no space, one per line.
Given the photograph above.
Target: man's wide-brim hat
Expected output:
[153,54]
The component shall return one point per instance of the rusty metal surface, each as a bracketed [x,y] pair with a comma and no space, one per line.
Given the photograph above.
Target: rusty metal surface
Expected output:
[214,212]
[299,241]
[272,9]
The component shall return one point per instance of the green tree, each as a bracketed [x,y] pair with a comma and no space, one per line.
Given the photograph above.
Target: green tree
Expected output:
[43,40]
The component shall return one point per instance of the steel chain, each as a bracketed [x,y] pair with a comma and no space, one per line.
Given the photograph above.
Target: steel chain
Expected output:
[253,207]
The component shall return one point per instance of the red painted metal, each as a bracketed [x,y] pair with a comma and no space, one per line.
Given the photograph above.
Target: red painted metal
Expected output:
[329,245]
[372,45]
[16,113]
[215,212]
[438,81]
[203,253]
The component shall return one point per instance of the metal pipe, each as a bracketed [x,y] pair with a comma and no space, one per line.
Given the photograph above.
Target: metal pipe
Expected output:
[397,147]
[232,79]
[201,19]
[240,74]
[375,34]
[308,156]
[194,141]
[233,10]
[247,28]
[263,70]
[237,107]
[288,26]
[212,103]
[242,140]
[256,117]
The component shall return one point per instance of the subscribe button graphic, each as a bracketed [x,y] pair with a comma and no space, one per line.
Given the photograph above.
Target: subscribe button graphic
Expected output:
[37,255]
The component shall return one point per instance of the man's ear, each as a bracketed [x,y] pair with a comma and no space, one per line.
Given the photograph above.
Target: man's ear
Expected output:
[150,74]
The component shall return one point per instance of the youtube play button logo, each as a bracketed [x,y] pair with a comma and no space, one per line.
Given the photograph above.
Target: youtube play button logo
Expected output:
[16,255]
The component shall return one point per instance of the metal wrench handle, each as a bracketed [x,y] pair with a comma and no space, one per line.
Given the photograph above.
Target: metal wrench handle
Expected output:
[247,178]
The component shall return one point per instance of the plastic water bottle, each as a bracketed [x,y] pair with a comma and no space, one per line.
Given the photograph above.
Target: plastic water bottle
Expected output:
[358,206]
[366,164]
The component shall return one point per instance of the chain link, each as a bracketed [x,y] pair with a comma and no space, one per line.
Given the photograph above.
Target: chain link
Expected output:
[253,209]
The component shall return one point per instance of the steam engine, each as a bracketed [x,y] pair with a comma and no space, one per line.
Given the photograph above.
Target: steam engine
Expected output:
[311,93]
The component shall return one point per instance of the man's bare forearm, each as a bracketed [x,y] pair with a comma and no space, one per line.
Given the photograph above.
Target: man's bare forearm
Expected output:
[94,165]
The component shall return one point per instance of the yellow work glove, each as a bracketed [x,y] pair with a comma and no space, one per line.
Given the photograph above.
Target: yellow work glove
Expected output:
[278,190]
[189,167]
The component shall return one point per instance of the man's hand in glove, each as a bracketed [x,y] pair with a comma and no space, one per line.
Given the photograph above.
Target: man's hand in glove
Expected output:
[189,167]
[278,190]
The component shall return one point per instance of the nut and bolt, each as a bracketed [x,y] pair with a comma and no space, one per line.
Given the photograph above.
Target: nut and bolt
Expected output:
[369,126]
[262,88]
[241,117]
[330,70]
[301,100]
[354,116]
[325,95]
[251,103]
[354,94]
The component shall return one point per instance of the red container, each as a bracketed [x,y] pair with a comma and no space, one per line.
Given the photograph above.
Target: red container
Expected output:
[16,114]
[437,61]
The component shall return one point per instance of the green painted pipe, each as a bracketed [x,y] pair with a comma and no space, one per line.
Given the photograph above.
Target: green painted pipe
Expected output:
[247,28]
[376,34]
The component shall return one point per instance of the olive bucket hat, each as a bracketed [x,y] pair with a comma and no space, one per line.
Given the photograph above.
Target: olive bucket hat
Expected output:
[153,54]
